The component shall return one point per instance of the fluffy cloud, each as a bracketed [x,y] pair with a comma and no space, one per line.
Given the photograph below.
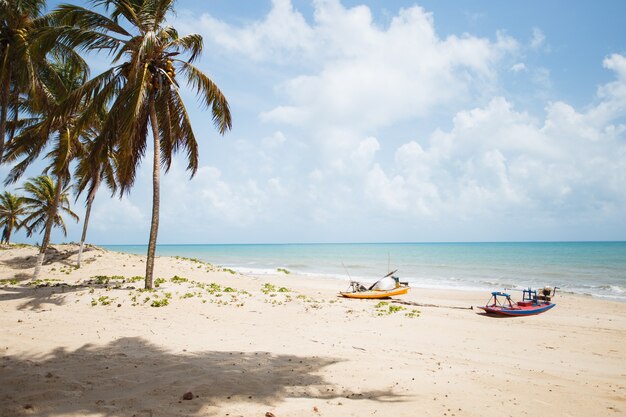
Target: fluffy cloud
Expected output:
[496,161]
[361,75]
[348,78]
[282,35]
[538,39]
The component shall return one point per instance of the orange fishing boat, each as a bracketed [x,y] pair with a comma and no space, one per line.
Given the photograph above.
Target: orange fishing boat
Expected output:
[388,286]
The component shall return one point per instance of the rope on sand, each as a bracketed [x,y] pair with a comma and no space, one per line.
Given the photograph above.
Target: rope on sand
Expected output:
[412,303]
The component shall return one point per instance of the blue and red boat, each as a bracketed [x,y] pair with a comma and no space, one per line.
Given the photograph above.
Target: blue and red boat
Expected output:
[532,303]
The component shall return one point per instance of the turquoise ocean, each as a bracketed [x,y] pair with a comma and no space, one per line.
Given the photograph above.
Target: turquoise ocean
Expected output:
[592,268]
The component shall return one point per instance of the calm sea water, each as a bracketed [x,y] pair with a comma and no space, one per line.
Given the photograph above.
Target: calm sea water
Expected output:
[595,268]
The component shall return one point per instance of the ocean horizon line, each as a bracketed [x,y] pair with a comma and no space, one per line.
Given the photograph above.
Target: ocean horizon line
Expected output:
[370,243]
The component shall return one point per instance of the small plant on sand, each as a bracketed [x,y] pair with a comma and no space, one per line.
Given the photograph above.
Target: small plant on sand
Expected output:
[214,288]
[413,313]
[178,280]
[160,303]
[103,279]
[384,309]
[283,270]
[104,300]
[9,281]
[283,289]
[268,288]
[187,295]
[229,270]
[135,279]
[42,282]
[229,289]
[159,281]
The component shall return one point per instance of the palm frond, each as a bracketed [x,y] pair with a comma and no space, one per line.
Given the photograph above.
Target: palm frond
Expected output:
[192,43]
[72,15]
[211,96]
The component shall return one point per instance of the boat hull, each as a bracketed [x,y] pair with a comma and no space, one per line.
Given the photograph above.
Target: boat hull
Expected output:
[530,310]
[373,294]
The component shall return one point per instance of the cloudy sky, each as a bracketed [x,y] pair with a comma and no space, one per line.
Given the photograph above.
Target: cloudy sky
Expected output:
[366,121]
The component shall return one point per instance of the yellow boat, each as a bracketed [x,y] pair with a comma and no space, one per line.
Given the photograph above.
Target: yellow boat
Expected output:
[388,286]
[369,294]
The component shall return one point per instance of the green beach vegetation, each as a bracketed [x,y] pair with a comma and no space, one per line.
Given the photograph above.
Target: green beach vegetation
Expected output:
[99,125]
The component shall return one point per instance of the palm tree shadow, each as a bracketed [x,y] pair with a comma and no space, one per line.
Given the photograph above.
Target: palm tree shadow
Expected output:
[38,297]
[131,376]
[63,256]
[21,262]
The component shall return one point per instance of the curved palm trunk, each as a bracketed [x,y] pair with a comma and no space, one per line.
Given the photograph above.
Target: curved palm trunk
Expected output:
[49,222]
[156,170]
[4,110]
[90,198]
[85,224]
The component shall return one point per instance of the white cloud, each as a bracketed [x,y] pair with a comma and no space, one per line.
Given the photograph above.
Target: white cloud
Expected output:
[345,79]
[118,217]
[364,75]
[496,161]
[277,139]
[538,39]
[519,67]
[282,35]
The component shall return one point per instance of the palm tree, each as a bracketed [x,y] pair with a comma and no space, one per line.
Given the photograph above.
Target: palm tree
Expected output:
[19,22]
[12,209]
[56,127]
[42,192]
[90,173]
[143,88]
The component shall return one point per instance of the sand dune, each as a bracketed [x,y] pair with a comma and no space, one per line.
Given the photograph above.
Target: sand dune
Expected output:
[88,342]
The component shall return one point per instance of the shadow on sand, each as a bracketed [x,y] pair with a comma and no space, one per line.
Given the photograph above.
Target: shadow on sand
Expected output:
[132,377]
[38,297]
[62,256]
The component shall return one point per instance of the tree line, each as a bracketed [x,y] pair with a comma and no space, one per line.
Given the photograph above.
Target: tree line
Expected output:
[94,130]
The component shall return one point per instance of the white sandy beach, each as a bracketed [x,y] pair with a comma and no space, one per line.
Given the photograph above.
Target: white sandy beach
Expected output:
[247,348]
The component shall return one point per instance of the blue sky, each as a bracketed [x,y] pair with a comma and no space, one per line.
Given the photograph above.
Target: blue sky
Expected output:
[360,121]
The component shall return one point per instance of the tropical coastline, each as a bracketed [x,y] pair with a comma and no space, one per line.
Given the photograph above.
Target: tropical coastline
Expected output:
[586,268]
[286,345]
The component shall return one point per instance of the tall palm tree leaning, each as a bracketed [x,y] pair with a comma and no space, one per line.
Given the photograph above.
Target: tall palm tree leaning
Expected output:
[57,127]
[16,23]
[12,211]
[143,88]
[41,193]
[90,173]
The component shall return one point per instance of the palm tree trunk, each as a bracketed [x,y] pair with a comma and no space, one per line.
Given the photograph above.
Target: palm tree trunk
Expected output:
[84,236]
[156,171]
[90,198]
[4,110]
[49,222]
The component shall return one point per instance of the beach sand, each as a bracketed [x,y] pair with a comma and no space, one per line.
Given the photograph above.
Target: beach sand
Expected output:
[290,348]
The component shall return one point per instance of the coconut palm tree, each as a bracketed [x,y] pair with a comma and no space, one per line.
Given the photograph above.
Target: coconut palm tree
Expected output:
[56,127]
[142,87]
[42,192]
[21,57]
[12,209]
[16,24]
[90,173]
